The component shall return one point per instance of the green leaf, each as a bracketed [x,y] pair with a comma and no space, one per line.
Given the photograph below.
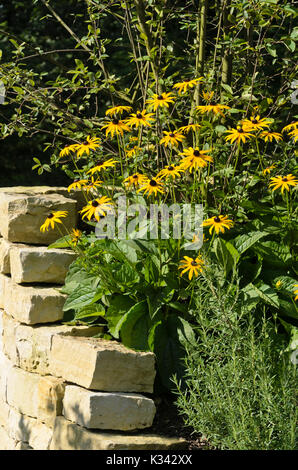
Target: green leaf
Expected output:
[134,327]
[63,242]
[247,240]
[226,254]
[266,294]
[168,340]
[126,275]
[82,296]
[119,306]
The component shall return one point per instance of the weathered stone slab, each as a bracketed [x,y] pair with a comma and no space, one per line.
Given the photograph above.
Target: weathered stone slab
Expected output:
[2,285]
[103,365]
[31,305]
[29,430]
[28,347]
[70,436]
[38,190]
[39,264]
[35,396]
[21,216]
[102,410]
[7,443]
[4,413]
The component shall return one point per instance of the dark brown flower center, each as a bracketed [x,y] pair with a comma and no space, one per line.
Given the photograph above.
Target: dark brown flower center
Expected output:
[139,116]
[171,168]
[50,216]
[135,176]
[216,219]
[160,97]
[196,153]
[254,121]
[115,122]
[240,130]
[194,263]
[285,179]
[172,134]
[153,183]
[94,203]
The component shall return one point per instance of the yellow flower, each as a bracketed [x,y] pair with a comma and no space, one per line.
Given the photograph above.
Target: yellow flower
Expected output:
[186,85]
[195,158]
[283,182]
[255,123]
[293,125]
[75,235]
[140,119]
[172,138]
[212,108]
[170,170]
[96,208]
[93,184]
[52,219]
[135,180]
[192,266]
[188,128]
[294,134]
[207,95]
[268,169]
[278,284]
[118,110]
[102,166]
[296,292]
[68,149]
[218,223]
[160,101]
[269,136]
[238,135]
[132,152]
[115,126]
[77,184]
[91,143]
[152,186]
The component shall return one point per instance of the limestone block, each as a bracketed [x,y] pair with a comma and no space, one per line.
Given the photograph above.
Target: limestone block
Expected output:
[5,367]
[103,365]
[102,410]
[39,264]
[38,190]
[22,215]
[4,256]
[7,443]
[30,430]
[35,396]
[31,305]
[4,413]
[70,436]
[28,347]
[2,284]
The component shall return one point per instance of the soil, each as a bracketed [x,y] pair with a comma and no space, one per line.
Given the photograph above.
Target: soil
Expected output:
[169,423]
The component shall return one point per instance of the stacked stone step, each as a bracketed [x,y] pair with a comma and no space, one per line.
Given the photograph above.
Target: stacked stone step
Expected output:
[61,388]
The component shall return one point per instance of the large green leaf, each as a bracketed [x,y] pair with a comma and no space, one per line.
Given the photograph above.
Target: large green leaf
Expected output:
[119,306]
[226,254]
[83,295]
[247,240]
[168,339]
[134,327]
[63,242]
[265,293]
[126,275]
[277,254]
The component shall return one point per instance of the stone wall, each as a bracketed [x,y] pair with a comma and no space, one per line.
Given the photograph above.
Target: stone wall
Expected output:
[61,388]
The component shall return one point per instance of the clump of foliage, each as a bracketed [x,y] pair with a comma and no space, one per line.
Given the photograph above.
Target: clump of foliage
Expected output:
[241,385]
